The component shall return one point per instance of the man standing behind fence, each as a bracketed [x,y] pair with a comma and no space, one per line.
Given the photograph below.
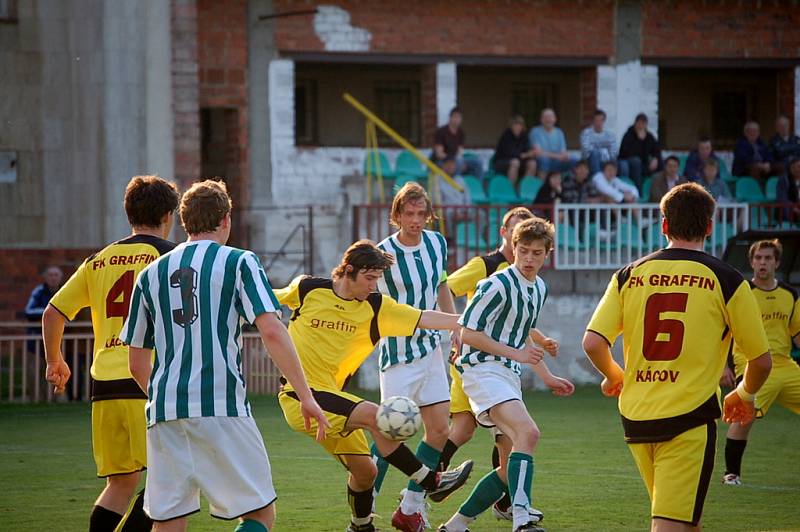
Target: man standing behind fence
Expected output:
[104,282]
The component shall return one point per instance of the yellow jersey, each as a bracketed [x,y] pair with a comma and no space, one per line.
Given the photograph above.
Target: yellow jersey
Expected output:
[464,280]
[780,314]
[677,310]
[104,282]
[333,336]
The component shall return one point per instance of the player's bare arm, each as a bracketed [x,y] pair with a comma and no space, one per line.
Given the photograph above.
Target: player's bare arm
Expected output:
[281,350]
[559,385]
[433,319]
[528,354]
[141,366]
[57,372]
[545,342]
[739,404]
[599,353]
[445,299]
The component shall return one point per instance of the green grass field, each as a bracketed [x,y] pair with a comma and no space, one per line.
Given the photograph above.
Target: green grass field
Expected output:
[585,478]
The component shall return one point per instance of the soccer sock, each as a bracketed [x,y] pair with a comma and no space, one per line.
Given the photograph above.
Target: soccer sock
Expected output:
[458,523]
[484,494]
[403,459]
[249,525]
[383,467]
[520,479]
[734,450]
[135,520]
[429,457]
[361,506]
[103,520]
[449,450]
[505,500]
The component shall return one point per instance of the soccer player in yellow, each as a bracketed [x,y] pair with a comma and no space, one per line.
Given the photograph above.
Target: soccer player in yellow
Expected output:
[678,310]
[335,325]
[104,282]
[780,312]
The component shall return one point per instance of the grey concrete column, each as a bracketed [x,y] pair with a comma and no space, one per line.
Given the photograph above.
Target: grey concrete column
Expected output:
[446,90]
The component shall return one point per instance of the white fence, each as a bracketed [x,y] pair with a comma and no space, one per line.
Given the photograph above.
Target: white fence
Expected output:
[22,363]
[602,236]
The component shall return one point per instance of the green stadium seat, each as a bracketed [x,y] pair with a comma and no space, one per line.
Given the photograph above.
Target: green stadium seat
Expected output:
[476,192]
[722,232]
[467,236]
[724,173]
[772,188]
[409,165]
[630,234]
[529,187]
[646,186]
[748,190]
[567,233]
[628,180]
[655,238]
[377,159]
[501,191]
[403,179]
[682,163]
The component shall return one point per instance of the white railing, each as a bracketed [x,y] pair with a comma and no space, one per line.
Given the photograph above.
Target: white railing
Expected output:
[604,236]
[22,364]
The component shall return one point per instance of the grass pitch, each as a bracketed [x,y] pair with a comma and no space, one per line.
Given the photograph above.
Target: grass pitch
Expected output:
[585,477]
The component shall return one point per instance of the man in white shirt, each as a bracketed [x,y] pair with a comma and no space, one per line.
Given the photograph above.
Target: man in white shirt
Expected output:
[614,188]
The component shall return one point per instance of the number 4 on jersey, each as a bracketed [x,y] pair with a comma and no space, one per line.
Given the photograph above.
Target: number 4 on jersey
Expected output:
[122,287]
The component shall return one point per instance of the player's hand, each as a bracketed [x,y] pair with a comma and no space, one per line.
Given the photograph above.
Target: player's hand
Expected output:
[728,379]
[57,374]
[551,346]
[454,354]
[311,411]
[611,387]
[529,354]
[737,410]
[455,341]
[561,387]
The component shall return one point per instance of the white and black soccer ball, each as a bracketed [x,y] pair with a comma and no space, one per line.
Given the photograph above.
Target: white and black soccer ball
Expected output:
[398,418]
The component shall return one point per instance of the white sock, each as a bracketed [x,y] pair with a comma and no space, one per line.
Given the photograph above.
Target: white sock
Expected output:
[521,515]
[412,501]
[360,521]
[420,475]
[458,523]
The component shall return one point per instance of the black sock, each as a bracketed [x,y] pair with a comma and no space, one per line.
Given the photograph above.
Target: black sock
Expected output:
[495,457]
[505,501]
[360,502]
[103,520]
[403,459]
[449,450]
[137,520]
[734,450]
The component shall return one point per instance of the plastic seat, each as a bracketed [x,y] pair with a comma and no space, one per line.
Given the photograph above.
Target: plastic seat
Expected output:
[409,165]
[375,160]
[682,163]
[772,188]
[501,191]
[566,235]
[747,189]
[629,181]
[654,237]
[724,173]
[630,235]
[476,192]
[403,179]
[529,187]
[647,184]
[722,232]
[467,236]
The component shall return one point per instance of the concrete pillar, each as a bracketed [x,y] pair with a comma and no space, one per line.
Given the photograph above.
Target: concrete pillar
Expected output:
[797,100]
[281,117]
[446,91]
[158,89]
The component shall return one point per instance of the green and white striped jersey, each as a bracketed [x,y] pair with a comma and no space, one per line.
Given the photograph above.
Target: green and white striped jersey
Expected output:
[413,279]
[189,305]
[505,307]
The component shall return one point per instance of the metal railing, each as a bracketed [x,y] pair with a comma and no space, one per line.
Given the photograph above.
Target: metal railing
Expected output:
[22,364]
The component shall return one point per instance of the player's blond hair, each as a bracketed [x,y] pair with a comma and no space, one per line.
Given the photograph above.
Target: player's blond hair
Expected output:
[411,191]
[773,244]
[533,229]
[204,206]
[523,213]
[362,256]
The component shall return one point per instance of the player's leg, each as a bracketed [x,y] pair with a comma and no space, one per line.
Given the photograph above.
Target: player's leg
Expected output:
[361,478]
[261,520]
[462,420]
[173,525]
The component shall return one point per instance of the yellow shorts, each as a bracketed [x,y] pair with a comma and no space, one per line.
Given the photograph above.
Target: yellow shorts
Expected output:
[119,431]
[459,402]
[782,385]
[338,406]
[677,472]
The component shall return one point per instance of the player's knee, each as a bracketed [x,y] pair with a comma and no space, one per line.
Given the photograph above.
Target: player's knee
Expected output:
[365,474]
[124,483]
[528,437]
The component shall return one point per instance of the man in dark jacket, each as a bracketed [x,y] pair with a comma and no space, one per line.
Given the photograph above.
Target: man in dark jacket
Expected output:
[639,152]
[751,155]
[40,296]
[784,145]
[693,171]
[514,152]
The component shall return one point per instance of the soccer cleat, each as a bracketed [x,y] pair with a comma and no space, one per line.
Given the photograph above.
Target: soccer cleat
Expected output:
[443,528]
[505,515]
[408,523]
[732,479]
[369,527]
[449,481]
[530,526]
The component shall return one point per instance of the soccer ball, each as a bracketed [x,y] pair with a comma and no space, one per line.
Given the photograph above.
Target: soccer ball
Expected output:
[398,418]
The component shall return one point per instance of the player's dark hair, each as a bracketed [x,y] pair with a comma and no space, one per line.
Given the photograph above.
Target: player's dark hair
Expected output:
[609,163]
[361,256]
[148,198]
[411,191]
[455,110]
[523,213]
[672,158]
[773,244]
[688,209]
[599,112]
[204,206]
[532,229]
[711,162]
[582,162]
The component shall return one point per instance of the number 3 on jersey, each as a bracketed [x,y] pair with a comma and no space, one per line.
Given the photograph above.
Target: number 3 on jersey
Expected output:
[666,349]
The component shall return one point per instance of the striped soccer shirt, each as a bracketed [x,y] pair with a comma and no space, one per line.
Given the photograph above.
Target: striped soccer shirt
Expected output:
[413,279]
[505,307]
[189,305]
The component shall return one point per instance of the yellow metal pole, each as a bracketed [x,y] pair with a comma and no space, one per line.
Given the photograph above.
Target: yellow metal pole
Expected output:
[399,139]
[372,160]
[373,134]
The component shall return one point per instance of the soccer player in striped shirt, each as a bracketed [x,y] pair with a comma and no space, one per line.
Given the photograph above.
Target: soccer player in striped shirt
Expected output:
[414,366]
[201,437]
[497,340]
[104,283]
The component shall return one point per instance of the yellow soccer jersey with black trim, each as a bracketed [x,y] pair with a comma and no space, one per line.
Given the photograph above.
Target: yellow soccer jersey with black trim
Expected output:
[780,314]
[464,280]
[333,336]
[677,311]
[104,282]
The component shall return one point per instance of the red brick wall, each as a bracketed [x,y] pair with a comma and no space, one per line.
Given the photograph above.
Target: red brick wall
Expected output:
[186,112]
[588,94]
[468,27]
[720,28]
[428,104]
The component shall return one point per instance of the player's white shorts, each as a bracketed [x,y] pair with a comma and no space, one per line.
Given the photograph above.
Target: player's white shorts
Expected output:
[488,384]
[222,457]
[424,381]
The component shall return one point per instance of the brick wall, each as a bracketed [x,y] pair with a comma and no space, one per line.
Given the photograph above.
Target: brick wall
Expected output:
[520,28]
[588,90]
[720,28]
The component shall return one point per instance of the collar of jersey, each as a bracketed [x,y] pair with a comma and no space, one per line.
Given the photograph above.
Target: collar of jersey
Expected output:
[521,278]
[396,242]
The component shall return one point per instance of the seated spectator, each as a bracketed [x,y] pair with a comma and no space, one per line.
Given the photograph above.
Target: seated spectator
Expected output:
[550,191]
[788,190]
[597,144]
[751,156]
[448,143]
[449,194]
[664,181]
[639,152]
[784,145]
[41,295]
[613,188]
[693,171]
[716,187]
[576,187]
[514,151]
[550,145]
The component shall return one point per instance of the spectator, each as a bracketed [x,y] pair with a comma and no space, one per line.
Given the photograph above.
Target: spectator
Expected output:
[788,191]
[576,187]
[639,152]
[514,151]
[665,180]
[41,295]
[449,195]
[597,144]
[716,187]
[784,145]
[448,143]
[550,145]
[550,191]
[750,155]
[693,171]
[612,187]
